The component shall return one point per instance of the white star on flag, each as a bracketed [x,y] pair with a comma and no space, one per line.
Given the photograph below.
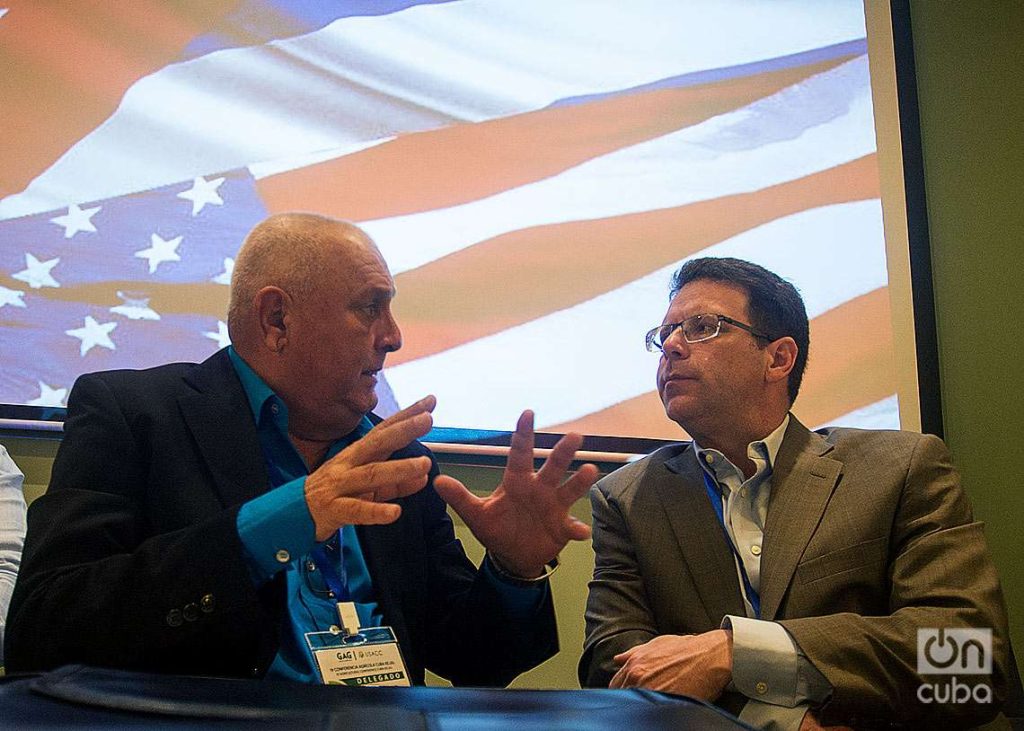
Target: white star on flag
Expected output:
[36,273]
[160,251]
[94,333]
[11,297]
[225,276]
[202,192]
[49,396]
[135,308]
[76,219]
[221,336]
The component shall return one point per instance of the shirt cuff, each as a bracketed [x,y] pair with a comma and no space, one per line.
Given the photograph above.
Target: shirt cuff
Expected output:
[764,661]
[276,529]
[520,601]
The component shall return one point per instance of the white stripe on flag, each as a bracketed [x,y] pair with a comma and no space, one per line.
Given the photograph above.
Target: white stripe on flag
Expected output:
[363,78]
[820,123]
[590,356]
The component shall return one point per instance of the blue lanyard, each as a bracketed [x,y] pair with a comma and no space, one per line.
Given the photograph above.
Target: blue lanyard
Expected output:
[716,503]
[329,559]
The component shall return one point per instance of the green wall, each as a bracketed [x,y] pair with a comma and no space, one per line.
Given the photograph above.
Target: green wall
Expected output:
[970,73]
[970,70]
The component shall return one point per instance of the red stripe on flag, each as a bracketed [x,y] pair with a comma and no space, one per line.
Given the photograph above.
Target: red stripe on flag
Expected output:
[572,262]
[445,167]
[66,67]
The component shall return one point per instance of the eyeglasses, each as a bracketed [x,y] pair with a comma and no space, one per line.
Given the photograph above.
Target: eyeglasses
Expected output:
[695,329]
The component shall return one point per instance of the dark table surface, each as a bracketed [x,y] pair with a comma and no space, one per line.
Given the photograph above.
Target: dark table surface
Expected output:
[77,697]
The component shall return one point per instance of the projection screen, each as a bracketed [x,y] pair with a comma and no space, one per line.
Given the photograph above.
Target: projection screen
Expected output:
[532,170]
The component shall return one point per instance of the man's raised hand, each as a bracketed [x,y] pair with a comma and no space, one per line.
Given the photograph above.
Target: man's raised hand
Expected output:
[352,486]
[525,522]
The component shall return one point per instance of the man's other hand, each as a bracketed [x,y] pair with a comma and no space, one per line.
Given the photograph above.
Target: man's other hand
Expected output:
[525,522]
[351,487]
[699,666]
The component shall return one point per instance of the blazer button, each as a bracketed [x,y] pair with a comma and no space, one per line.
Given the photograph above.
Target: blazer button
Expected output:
[283,556]
[174,618]
[191,612]
[207,603]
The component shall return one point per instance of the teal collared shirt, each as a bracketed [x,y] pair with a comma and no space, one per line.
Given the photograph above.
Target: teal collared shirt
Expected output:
[278,533]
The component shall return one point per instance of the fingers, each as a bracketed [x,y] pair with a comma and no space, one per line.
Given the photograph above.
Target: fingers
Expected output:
[628,676]
[560,458]
[393,479]
[520,453]
[339,494]
[620,679]
[578,484]
[352,511]
[567,494]
[427,403]
[623,656]
[573,488]
[395,432]
[383,480]
[577,530]
[463,502]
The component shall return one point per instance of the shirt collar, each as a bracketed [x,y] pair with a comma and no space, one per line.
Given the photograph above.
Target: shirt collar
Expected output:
[773,442]
[259,394]
[763,450]
[256,389]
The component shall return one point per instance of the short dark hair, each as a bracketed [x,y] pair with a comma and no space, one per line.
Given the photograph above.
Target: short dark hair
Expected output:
[776,307]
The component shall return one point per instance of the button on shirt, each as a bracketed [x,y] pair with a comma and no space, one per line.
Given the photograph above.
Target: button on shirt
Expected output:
[277,532]
[745,501]
[767,664]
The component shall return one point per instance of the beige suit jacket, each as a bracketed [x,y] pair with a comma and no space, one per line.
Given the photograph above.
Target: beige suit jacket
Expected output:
[869,537]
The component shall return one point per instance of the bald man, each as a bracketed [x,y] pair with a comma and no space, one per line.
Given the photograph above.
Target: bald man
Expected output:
[212,518]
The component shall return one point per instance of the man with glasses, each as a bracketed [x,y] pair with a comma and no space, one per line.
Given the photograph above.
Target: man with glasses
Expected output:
[249,516]
[779,572]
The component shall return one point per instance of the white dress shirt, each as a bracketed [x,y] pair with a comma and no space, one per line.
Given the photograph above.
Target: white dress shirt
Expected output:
[768,666]
[12,534]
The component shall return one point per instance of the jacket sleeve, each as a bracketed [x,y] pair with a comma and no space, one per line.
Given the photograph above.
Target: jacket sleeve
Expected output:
[101,584]
[618,615]
[472,637]
[940,576]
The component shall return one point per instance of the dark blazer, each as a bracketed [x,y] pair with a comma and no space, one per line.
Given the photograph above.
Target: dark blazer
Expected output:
[133,560]
[869,537]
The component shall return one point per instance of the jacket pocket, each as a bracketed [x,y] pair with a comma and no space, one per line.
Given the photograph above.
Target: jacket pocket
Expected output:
[860,555]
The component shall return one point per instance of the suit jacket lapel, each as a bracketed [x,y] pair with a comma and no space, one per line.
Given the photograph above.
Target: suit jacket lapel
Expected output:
[803,479]
[378,542]
[699,535]
[214,405]
[375,542]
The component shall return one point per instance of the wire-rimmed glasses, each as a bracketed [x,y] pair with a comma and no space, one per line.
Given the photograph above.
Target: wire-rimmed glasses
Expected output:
[696,329]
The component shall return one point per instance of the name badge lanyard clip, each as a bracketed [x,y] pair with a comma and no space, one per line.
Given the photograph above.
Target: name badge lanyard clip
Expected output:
[332,568]
[716,502]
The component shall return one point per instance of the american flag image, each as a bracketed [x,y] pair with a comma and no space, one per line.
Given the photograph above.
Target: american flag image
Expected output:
[533,171]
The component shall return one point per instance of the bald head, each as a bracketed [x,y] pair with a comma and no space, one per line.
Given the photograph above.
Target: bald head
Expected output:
[311,314]
[290,251]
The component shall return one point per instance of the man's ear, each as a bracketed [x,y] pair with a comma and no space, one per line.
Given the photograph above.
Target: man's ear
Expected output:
[781,359]
[272,316]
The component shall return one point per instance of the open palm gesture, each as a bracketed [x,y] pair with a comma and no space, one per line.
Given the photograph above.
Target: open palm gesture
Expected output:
[525,522]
